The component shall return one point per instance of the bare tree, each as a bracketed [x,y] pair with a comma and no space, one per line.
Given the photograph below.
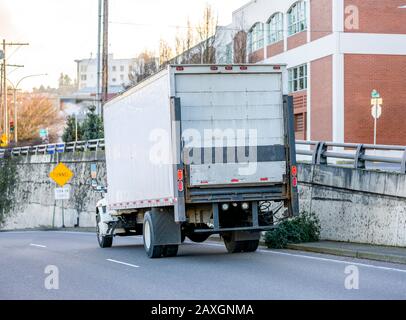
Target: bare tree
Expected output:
[240,47]
[165,53]
[146,64]
[206,31]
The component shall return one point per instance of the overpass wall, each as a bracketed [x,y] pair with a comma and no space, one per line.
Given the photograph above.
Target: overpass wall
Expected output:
[353,205]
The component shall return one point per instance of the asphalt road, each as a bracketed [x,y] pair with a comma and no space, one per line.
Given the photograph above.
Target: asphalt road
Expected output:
[201,271]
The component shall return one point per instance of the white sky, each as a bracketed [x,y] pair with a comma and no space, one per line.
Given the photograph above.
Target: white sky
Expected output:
[60,31]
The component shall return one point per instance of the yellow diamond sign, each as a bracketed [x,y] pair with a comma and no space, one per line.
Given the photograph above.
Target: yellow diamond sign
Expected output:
[61,174]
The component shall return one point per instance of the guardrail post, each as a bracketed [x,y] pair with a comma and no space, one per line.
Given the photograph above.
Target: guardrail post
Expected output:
[359,162]
[321,148]
[403,163]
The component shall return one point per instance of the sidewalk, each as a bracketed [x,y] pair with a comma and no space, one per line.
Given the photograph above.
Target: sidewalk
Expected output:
[354,250]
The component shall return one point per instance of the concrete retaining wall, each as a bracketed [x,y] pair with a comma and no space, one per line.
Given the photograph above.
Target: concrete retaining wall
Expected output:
[353,205]
[34,197]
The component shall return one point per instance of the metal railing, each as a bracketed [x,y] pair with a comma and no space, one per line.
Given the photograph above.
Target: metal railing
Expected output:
[49,149]
[359,156]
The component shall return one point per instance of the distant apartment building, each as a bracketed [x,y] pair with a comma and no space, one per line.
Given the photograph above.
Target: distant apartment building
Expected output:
[119,71]
[337,52]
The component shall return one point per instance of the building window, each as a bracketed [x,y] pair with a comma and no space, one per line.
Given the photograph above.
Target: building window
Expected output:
[298,78]
[83,77]
[256,37]
[297,18]
[122,77]
[83,69]
[300,124]
[229,53]
[122,68]
[114,80]
[275,28]
[114,68]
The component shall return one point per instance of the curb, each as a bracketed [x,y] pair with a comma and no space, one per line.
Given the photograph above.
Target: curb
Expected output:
[350,253]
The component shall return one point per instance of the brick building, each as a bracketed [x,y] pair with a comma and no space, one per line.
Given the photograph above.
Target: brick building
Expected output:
[337,52]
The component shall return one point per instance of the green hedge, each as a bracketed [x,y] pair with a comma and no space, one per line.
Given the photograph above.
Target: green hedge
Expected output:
[304,228]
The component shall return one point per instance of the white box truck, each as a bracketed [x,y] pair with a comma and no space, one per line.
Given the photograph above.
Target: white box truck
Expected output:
[197,150]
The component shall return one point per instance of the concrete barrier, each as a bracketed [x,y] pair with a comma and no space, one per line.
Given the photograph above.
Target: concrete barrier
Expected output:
[355,205]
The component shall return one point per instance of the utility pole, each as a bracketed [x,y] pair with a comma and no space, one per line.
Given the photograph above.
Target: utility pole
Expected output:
[4,91]
[105,82]
[99,30]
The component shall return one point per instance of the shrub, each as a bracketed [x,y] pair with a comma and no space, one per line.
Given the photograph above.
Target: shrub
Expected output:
[304,228]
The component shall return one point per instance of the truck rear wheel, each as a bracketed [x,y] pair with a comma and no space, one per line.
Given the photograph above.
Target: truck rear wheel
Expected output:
[170,251]
[198,237]
[234,246]
[153,251]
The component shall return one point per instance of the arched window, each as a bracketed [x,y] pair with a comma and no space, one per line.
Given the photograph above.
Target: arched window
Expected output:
[297,21]
[256,37]
[275,26]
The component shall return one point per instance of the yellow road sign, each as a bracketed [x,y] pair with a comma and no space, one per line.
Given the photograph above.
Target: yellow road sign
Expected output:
[4,140]
[61,174]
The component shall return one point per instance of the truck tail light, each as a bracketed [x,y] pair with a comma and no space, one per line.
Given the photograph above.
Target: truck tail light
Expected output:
[180,175]
[243,68]
[229,68]
[180,68]
[214,68]
[277,67]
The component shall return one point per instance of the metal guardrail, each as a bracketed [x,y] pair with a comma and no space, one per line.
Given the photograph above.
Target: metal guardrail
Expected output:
[81,146]
[358,155]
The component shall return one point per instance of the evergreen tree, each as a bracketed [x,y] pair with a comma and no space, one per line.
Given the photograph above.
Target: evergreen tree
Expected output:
[69,133]
[92,127]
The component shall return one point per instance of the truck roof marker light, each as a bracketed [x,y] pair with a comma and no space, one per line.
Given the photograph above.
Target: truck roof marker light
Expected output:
[244,68]
[264,179]
[229,68]
[204,182]
[277,67]
[235,180]
[214,68]
[179,68]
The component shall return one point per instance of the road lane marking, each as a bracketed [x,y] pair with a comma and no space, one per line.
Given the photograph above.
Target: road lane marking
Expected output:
[320,259]
[123,263]
[37,245]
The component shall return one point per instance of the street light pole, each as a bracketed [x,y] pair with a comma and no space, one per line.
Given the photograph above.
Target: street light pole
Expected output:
[15,88]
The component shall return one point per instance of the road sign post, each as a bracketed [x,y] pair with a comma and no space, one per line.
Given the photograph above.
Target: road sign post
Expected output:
[376,111]
[61,175]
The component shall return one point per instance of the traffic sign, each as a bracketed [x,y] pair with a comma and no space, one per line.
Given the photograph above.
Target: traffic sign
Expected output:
[4,140]
[376,111]
[62,193]
[61,174]
[43,133]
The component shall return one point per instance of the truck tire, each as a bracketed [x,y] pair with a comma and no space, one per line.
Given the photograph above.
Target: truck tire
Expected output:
[198,237]
[104,241]
[250,245]
[153,251]
[170,251]
[234,246]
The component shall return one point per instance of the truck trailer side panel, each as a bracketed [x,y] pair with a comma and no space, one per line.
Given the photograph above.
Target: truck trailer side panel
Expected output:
[137,125]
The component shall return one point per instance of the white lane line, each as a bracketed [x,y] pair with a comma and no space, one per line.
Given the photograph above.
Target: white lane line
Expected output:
[320,259]
[123,263]
[37,245]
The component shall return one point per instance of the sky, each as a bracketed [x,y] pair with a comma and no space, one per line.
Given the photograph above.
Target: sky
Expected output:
[60,31]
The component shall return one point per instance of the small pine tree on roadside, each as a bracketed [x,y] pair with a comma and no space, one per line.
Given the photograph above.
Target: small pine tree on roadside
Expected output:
[92,127]
[69,133]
